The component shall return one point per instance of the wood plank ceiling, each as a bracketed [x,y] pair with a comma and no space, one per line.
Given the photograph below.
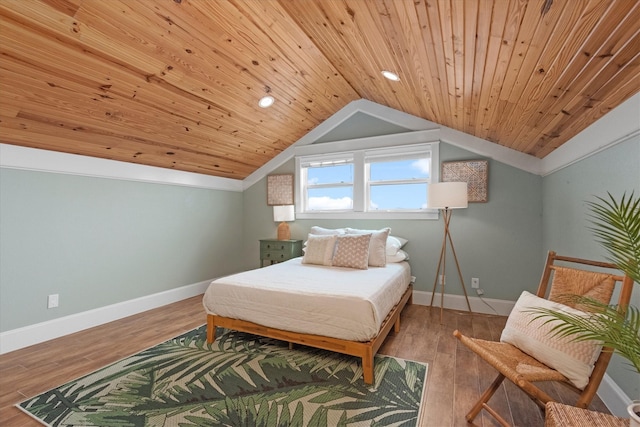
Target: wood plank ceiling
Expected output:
[175,83]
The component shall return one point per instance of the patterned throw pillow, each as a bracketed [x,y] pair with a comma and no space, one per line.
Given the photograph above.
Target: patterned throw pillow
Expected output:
[352,251]
[319,249]
[573,359]
[377,245]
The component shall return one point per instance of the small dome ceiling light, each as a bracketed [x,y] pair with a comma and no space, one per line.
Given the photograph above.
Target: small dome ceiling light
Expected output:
[391,76]
[266,101]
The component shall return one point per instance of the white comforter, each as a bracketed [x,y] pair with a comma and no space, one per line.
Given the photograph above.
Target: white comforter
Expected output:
[331,301]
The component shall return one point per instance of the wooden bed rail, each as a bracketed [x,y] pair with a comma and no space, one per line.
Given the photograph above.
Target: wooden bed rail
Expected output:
[364,350]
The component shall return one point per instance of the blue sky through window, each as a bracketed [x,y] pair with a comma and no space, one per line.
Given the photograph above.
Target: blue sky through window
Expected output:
[334,174]
[400,169]
[336,192]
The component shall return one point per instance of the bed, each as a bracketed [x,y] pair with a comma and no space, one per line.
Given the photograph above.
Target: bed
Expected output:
[345,310]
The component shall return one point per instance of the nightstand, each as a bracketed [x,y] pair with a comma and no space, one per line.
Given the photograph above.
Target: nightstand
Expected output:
[274,250]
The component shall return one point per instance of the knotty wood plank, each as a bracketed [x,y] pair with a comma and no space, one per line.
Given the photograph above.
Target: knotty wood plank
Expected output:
[597,37]
[417,41]
[503,32]
[518,35]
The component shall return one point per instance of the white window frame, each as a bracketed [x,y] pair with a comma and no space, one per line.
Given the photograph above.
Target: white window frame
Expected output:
[391,155]
[360,184]
[325,160]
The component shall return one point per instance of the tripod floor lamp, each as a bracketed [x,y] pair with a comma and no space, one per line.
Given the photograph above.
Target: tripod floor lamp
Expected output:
[447,196]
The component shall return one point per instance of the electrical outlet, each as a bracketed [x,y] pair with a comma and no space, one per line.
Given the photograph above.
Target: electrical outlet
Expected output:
[475,282]
[443,281]
[53,301]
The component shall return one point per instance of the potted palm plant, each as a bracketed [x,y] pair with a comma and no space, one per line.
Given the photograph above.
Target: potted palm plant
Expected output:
[616,226]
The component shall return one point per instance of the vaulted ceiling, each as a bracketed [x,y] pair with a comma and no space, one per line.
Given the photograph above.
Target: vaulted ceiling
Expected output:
[175,83]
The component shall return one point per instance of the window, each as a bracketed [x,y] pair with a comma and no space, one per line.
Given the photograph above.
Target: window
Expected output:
[369,183]
[329,183]
[397,183]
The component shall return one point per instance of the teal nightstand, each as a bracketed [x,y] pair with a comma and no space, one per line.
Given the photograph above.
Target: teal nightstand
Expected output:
[273,250]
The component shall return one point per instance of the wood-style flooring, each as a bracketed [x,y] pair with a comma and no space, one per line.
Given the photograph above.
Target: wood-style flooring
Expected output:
[456,377]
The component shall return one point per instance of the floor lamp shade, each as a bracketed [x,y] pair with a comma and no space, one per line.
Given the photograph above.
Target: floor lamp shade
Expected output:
[282,214]
[448,195]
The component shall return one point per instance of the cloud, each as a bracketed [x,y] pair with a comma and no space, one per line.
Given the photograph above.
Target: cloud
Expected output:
[423,165]
[329,204]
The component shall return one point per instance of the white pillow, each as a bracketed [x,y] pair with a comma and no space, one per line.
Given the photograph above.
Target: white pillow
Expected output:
[319,249]
[398,257]
[326,231]
[377,245]
[573,359]
[394,244]
[352,251]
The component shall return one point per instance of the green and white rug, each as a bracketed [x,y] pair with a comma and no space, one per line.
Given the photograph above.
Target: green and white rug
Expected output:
[239,380]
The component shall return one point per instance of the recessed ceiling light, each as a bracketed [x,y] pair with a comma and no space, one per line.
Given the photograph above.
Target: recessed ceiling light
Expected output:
[391,76]
[266,101]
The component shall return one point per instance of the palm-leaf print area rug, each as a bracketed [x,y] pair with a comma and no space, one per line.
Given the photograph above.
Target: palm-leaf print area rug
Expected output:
[239,380]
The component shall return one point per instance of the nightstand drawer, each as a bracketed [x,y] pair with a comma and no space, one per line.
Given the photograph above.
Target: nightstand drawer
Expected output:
[274,255]
[274,246]
[273,250]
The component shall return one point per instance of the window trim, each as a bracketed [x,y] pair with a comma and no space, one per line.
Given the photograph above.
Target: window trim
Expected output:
[360,156]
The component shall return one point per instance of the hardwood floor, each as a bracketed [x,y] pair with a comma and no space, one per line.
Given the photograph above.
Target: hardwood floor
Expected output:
[456,377]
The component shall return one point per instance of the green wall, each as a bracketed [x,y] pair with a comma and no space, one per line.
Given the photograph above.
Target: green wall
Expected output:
[97,242]
[565,222]
[499,241]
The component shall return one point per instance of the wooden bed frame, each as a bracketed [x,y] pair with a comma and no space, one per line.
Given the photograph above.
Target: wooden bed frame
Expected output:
[364,350]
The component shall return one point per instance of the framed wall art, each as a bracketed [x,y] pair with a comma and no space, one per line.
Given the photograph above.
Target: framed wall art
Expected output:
[280,190]
[474,172]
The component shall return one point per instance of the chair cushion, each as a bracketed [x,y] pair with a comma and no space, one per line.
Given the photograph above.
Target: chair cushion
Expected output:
[573,359]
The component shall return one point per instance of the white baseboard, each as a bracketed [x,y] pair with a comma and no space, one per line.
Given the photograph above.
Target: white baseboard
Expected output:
[457,302]
[34,334]
[614,398]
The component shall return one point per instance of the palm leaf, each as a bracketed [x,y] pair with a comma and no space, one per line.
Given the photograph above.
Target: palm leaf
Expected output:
[239,380]
[616,327]
[617,228]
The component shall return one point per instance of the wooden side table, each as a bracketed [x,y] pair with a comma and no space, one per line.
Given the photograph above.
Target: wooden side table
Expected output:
[273,250]
[560,415]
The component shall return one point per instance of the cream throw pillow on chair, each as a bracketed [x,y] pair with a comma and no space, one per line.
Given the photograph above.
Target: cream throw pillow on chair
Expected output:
[573,359]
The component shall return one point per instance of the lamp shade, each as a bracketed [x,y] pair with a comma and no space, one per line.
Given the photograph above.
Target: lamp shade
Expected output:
[448,195]
[284,213]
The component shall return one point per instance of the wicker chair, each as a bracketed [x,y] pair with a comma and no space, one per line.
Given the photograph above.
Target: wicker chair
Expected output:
[572,276]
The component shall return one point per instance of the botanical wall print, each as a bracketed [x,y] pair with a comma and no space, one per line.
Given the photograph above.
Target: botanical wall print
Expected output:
[280,190]
[474,172]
